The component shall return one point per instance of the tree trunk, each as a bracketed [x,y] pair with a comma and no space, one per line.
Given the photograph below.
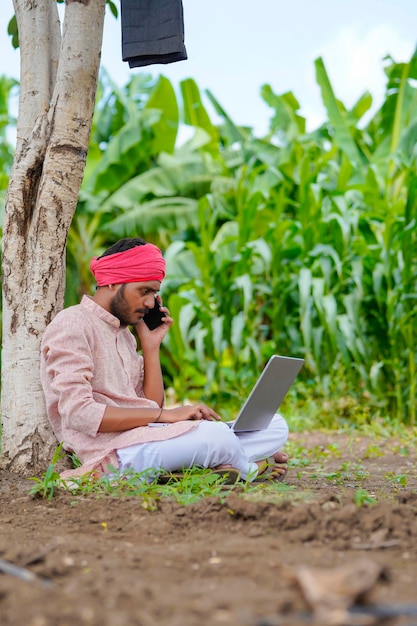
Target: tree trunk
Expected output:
[57,95]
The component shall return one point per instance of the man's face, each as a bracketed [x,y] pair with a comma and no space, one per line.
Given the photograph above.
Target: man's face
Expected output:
[132,300]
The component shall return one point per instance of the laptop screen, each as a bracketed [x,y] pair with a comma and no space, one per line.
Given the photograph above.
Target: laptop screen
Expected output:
[268,393]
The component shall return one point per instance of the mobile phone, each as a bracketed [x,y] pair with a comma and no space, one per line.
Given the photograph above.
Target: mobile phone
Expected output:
[153,318]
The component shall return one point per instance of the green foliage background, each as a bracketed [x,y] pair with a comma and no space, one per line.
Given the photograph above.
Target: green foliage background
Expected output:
[299,243]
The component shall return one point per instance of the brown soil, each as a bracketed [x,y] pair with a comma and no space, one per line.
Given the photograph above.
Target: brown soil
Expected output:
[228,561]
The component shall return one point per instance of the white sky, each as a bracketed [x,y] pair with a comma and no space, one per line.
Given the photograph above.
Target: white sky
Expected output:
[234,46]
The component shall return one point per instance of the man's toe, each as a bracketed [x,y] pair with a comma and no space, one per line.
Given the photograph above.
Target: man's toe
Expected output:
[281,457]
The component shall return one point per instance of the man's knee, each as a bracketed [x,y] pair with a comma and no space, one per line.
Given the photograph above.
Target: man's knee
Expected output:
[217,435]
[215,431]
[280,428]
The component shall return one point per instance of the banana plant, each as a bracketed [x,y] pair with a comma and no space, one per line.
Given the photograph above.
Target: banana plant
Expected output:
[297,242]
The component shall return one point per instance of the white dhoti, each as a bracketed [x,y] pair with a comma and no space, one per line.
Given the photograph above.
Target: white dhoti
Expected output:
[208,445]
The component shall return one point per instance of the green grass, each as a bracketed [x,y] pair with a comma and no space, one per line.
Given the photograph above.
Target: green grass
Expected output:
[195,485]
[333,463]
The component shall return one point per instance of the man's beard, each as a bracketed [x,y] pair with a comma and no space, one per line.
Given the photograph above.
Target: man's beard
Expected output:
[119,307]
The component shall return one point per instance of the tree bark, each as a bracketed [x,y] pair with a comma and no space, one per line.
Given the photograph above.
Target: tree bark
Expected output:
[57,94]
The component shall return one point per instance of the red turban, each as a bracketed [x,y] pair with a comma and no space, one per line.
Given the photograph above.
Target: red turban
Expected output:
[136,265]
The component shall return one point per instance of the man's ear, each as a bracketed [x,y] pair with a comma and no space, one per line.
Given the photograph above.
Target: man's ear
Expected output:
[115,286]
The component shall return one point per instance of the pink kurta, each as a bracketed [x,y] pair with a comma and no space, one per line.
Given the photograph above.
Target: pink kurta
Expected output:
[89,362]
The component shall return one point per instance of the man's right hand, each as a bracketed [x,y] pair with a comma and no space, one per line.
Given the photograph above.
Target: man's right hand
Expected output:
[118,419]
[188,412]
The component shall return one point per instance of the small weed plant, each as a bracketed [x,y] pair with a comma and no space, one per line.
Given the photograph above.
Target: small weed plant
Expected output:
[51,480]
[363,498]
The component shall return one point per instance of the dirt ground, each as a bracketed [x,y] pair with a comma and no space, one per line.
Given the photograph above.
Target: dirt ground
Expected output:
[250,560]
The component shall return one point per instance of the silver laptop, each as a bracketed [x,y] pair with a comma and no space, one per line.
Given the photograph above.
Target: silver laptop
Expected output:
[267,394]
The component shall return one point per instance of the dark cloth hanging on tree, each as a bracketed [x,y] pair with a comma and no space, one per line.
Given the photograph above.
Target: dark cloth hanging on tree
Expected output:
[152,32]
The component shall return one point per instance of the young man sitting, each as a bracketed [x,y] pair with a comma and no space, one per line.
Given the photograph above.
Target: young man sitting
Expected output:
[102,397]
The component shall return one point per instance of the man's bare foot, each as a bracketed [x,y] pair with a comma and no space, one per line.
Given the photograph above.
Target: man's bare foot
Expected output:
[280,457]
[272,470]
